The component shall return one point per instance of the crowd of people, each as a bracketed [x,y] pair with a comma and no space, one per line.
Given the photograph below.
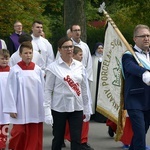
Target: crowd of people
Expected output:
[37,87]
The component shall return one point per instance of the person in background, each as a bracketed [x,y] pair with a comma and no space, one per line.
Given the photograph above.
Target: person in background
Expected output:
[43,34]
[87,59]
[37,58]
[13,43]
[3,44]
[66,96]
[69,33]
[78,55]
[137,86]
[97,55]
[4,118]
[24,106]
[41,44]
[127,134]
[112,127]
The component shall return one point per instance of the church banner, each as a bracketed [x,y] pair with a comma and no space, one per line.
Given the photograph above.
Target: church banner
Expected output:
[110,82]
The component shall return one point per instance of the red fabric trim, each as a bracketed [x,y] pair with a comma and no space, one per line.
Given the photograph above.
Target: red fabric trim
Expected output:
[4,69]
[23,65]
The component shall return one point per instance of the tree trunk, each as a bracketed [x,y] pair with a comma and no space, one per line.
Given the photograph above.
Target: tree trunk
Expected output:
[74,13]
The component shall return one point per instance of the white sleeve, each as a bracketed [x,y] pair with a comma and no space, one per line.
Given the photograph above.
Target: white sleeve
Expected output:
[49,86]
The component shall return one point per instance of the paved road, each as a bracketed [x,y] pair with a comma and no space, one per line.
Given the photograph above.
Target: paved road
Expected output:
[98,138]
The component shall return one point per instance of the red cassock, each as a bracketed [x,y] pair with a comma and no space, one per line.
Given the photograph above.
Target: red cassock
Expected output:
[127,133]
[26,137]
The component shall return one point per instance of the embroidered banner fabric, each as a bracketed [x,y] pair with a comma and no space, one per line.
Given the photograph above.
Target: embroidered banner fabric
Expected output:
[110,81]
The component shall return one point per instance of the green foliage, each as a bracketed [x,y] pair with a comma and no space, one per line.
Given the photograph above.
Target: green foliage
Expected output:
[57,34]
[53,7]
[128,14]
[125,13]
[92,12]
[25,11]
[54,11]
[95,35]
[124,23]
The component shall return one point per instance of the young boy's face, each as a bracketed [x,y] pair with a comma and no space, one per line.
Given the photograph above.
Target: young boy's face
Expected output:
[4,61]
[78,56]
[26,55]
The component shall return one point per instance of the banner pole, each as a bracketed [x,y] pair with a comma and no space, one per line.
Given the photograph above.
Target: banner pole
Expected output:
[102,9]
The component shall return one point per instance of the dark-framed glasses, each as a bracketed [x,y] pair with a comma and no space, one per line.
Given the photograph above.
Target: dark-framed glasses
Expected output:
[67,47]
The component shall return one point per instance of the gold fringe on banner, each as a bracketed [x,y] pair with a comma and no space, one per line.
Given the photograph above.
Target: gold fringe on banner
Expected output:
[122,113]
[107,114]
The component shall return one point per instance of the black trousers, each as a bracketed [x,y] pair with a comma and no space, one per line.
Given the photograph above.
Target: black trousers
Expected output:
[75,120]
[140,121]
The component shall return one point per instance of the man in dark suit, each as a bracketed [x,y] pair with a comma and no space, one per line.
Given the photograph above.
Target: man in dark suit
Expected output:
[137,87]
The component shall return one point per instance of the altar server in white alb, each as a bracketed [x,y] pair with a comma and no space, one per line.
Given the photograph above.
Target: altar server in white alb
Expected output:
[4,118]
[41,44]
[24,102]
[66,95]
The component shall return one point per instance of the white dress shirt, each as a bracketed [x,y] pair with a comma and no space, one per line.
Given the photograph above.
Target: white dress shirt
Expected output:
[61,97]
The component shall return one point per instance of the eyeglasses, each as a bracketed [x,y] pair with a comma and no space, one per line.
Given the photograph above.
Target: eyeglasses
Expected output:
[67,47]
[76,30]
[143,36]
